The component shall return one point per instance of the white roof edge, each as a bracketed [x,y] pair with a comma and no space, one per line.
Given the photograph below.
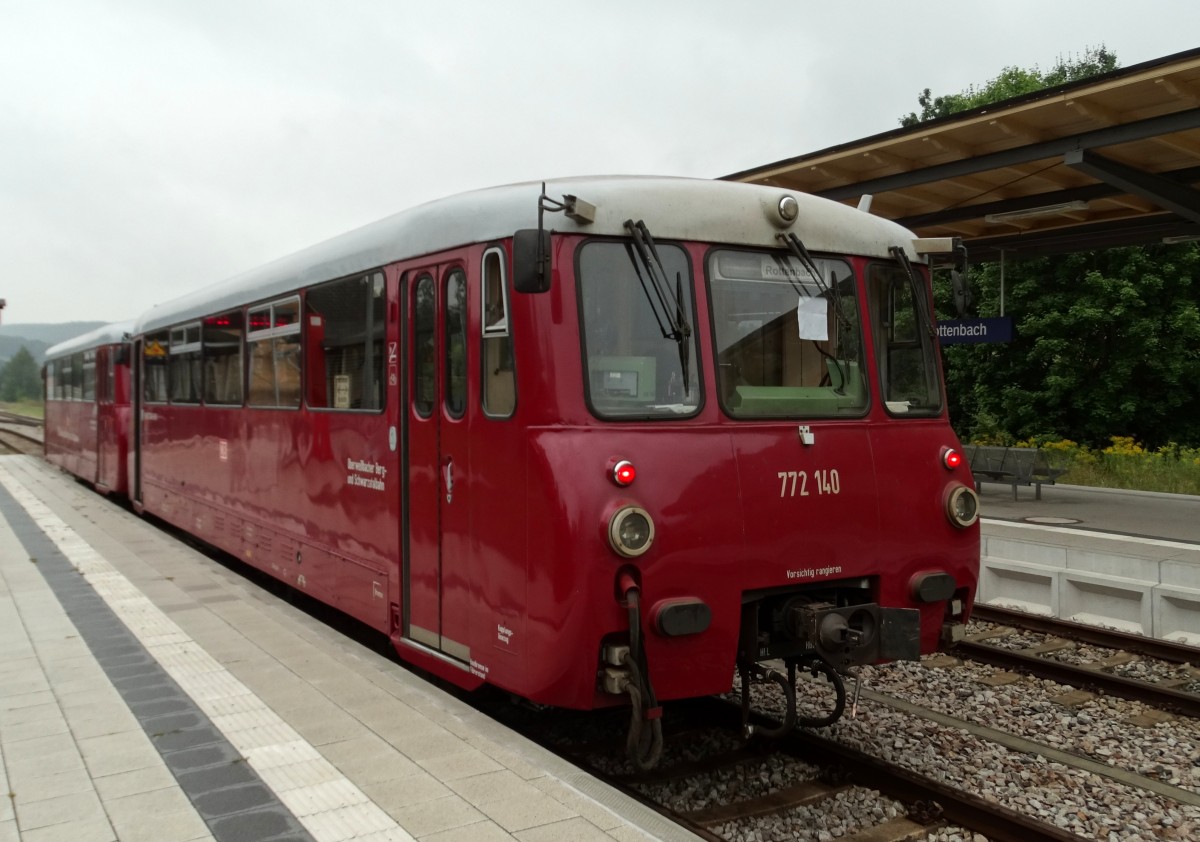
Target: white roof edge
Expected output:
[716,211]
[109,334]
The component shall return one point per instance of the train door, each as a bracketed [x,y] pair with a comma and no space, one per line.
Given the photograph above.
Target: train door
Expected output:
[434,579]
[135,414]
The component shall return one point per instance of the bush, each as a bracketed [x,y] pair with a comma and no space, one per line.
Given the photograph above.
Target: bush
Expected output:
[1124,463]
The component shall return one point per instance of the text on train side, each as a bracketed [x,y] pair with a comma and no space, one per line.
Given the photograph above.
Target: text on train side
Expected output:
[795,483]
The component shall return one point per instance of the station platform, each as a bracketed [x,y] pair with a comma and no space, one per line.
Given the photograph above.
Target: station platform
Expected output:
[149,693]
[1127,560]
[1136,514]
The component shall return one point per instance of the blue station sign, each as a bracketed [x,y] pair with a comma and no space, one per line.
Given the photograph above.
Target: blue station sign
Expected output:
[970,331]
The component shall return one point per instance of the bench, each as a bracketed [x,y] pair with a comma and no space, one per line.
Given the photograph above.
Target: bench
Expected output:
[1011,466]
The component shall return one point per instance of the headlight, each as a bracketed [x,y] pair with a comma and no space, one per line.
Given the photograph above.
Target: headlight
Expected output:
[962,506]
[631,531]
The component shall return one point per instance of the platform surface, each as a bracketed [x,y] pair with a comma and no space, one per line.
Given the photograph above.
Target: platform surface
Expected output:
[1140,514]
[149,693]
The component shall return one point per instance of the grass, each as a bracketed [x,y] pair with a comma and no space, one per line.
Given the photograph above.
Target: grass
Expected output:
[1124,464]
[33,409]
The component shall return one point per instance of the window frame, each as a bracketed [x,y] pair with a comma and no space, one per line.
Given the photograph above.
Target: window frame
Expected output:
[588,355]
[496,340]
[240,367]
[820,407]
[883,325]
[162,339]
[375,365]
[455,330]
[188,345]
[421,406]
[273,333]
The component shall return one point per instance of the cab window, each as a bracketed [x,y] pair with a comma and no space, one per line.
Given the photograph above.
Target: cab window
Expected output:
[788,336]
[904,346]
[636,365]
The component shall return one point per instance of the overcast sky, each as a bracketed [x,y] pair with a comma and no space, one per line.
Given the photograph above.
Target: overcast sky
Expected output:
[152,147]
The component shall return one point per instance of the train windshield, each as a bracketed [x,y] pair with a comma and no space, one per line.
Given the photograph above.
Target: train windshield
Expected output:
[637,365]
[788,335]
[903,339]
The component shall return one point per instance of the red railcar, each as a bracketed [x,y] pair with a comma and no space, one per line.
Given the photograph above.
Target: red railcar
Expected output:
[594,442]
[87,418]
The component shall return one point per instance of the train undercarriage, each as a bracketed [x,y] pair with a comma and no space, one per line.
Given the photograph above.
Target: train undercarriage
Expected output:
[826,631]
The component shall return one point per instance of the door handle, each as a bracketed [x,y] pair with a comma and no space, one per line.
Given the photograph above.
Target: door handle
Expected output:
[448,475]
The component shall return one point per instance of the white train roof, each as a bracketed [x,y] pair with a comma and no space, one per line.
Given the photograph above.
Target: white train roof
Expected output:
[672,208]
[110,334]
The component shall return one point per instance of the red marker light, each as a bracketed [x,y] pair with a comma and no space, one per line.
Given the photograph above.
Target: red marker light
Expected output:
[623,473]
[951,458]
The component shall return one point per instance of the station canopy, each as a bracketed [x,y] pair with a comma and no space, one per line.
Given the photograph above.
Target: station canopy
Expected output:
[1112,160]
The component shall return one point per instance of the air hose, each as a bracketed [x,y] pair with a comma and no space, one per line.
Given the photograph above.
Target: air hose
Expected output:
[644,749]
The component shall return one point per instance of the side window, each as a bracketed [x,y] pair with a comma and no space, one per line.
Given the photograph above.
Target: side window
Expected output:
[89,375]
[154,368]
[185,363]
[498,381]
[273,344]
[222,340]
[424,352]
[76,377]
[456,343]
[51,375]
[104,377]
[344,322]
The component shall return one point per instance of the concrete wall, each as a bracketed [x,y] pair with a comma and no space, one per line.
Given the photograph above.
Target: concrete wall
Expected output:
[1139,585]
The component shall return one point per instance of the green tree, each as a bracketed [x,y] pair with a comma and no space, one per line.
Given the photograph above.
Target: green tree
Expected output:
[1013,81]
[20,378]
[1106,344]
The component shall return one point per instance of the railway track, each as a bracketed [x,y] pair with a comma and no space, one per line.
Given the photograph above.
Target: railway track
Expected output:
[17,436]
[19,420]
[1044,660]
[722,788]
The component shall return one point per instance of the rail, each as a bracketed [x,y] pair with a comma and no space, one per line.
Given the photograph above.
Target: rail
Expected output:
[931,803]
[1087,676]
[19,420]
[15,439]
[1150,647]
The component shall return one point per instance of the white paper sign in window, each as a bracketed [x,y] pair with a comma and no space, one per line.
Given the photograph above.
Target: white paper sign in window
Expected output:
[813,317]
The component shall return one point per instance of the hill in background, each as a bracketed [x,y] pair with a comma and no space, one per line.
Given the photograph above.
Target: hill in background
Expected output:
[36,338]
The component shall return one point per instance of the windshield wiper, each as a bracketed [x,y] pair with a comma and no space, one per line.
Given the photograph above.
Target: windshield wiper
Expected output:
[796,247]
[918,289]
[667,306]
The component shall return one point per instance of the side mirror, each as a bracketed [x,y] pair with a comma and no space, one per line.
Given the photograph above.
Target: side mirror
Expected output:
[531,260]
